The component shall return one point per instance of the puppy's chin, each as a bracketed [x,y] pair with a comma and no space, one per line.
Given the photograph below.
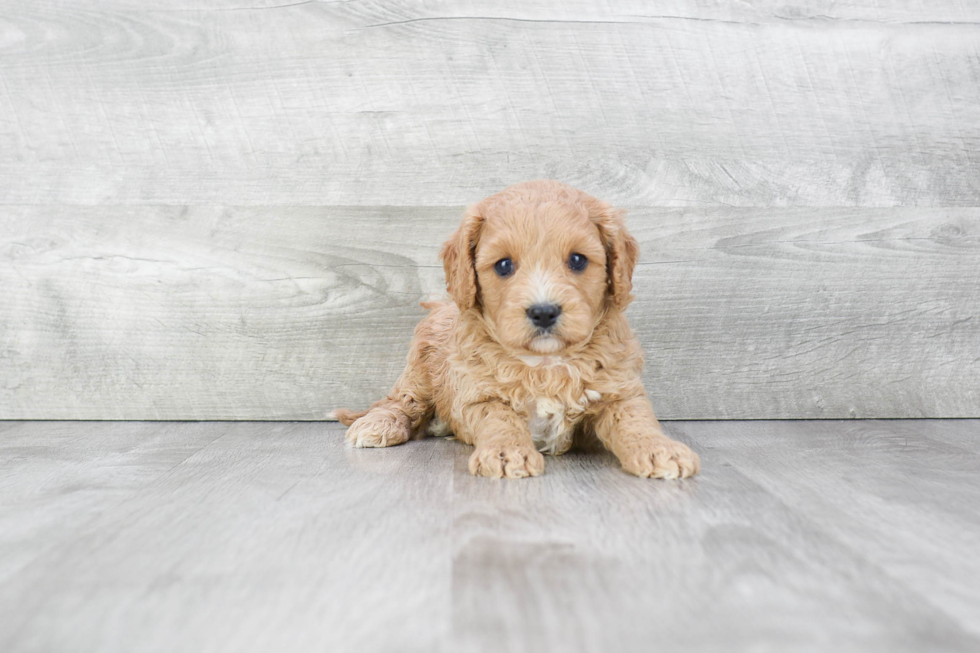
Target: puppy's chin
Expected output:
[545,344]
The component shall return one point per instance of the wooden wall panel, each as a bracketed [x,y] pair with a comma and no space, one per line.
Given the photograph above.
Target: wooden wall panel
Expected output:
[407,103]
[230,208]
[284,313]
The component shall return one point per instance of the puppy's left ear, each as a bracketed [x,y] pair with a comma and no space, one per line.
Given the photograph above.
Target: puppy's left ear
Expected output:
[622,251]
[458,259]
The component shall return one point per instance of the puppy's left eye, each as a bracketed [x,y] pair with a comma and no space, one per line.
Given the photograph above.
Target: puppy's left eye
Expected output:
[577,262]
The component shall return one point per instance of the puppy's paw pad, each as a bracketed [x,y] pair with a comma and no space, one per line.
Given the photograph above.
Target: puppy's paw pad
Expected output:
[506,461]
[662,459]
[381,427]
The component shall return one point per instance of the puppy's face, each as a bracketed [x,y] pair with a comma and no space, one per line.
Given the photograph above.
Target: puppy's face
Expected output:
[545,262]
[541,271]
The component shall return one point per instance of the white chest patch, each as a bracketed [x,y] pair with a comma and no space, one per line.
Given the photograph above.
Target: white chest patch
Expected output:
[551,431]
[438,428]
[552,423]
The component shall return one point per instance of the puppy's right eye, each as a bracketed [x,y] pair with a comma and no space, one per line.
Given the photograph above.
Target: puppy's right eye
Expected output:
[504,267]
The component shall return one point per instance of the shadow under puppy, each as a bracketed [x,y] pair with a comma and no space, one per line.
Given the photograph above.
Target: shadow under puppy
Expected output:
[535,346]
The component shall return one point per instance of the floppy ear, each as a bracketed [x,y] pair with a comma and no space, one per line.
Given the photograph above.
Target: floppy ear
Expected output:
[458,260]
[622,251]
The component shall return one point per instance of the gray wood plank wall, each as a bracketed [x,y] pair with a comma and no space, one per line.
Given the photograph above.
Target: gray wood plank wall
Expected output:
[229,210]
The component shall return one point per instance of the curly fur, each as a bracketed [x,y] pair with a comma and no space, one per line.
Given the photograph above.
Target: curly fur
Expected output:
[479,368]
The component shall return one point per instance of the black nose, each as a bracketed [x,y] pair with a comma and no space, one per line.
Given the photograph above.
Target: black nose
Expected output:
[544,315]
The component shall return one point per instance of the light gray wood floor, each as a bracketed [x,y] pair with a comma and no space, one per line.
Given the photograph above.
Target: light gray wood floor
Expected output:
[830,535]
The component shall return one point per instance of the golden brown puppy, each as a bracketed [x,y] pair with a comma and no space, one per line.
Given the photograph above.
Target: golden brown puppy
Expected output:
[535,346]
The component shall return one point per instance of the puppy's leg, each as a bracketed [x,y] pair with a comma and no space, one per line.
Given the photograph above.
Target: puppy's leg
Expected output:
[504,446]
[395,418]
[386,424]
[631,431]
[409,405]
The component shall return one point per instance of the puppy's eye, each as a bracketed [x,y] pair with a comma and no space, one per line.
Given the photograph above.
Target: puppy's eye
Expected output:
[504,267]
[577,262]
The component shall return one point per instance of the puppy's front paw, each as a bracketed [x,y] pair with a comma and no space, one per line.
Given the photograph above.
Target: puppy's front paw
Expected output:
[660,458]
[506,459]
[381,427]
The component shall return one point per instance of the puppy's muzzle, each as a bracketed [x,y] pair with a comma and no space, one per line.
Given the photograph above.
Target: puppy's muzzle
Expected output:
[544,316]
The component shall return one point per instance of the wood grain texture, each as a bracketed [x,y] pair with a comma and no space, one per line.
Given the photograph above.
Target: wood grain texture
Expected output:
[402,103]
[802,536]
[66,474]
[590,559]
[872,473]
[286,313]
[289,169]
[257,541]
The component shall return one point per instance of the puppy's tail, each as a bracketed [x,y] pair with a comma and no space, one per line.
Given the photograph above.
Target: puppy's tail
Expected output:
[344,416]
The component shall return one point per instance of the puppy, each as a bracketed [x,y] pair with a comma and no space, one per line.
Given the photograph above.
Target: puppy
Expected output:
[535,348]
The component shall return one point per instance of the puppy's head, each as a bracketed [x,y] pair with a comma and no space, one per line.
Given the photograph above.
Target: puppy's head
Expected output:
[543,263]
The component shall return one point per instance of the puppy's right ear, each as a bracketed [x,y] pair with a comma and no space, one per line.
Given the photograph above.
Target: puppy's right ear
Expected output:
[458,254]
